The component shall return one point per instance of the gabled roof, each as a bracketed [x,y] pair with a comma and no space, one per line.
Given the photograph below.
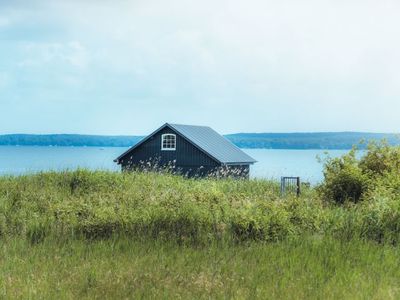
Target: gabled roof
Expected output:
[208,141]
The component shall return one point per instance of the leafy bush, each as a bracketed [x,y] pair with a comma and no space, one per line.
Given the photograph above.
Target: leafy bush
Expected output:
[351,179]
[344,179]
[380,159]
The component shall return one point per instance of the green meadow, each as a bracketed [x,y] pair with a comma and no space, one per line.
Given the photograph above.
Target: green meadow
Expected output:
[127,268]
[83,234]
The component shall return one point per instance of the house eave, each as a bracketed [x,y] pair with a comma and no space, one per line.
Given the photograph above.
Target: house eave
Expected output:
[240,163]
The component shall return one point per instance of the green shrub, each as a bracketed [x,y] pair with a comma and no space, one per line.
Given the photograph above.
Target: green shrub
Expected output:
[344,179]
[351,179]
[380,159]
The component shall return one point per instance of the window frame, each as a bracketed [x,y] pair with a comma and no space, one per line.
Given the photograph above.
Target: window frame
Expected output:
[163,136]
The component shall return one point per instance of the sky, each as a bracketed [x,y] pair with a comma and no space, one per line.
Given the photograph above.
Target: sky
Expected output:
[126,67]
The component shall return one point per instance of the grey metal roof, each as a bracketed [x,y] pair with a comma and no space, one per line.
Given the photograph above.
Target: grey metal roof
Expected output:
[213,143]
[209,141]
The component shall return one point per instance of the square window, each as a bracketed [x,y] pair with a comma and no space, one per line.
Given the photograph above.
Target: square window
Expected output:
[168,142]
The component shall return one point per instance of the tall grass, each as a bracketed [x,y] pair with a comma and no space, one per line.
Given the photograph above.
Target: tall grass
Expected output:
[92,205]
[123,268]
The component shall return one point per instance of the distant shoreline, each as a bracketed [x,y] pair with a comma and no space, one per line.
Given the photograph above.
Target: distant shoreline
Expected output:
[273,141]
[100,147]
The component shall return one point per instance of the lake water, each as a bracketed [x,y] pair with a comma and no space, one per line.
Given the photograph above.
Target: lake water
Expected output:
[272,164]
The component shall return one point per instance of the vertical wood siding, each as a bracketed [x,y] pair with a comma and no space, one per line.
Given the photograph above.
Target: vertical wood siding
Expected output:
[185,154]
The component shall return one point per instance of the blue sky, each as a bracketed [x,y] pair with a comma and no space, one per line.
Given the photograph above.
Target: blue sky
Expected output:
[126,67]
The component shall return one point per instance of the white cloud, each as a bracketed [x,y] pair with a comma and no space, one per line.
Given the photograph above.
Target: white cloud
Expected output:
[247,40]
[39,54]
[262,59]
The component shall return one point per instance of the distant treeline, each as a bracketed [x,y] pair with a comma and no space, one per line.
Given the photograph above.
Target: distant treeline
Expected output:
[324,140]
[333,140]
[68,140]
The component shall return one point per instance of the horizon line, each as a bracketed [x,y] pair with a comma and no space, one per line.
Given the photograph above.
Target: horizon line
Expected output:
[265,132]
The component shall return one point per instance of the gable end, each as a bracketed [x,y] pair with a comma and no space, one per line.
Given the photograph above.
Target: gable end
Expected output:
[186,153]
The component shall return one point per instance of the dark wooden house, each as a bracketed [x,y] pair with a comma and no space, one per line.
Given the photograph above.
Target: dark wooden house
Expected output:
[193,151]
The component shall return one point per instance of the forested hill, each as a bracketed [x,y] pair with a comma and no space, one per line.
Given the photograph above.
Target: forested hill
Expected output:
[68,140]
[333,140]
[323,140]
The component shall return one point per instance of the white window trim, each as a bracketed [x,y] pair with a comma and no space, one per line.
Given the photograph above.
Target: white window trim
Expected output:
[162,142]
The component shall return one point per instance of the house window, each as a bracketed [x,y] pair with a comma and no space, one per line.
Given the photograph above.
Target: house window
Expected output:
[168,142]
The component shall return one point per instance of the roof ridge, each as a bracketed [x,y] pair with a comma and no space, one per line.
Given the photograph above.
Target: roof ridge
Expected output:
[188,125]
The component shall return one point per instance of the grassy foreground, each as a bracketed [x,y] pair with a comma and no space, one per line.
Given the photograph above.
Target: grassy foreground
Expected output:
[124,268]
[83,234]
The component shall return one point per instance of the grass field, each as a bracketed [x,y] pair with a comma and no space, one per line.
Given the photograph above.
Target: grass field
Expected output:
[124,268]
[82,234]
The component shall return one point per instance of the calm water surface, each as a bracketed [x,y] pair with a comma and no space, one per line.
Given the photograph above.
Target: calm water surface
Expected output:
[272,164]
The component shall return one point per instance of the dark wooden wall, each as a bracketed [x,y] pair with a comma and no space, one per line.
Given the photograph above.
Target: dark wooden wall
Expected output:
[185,155]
